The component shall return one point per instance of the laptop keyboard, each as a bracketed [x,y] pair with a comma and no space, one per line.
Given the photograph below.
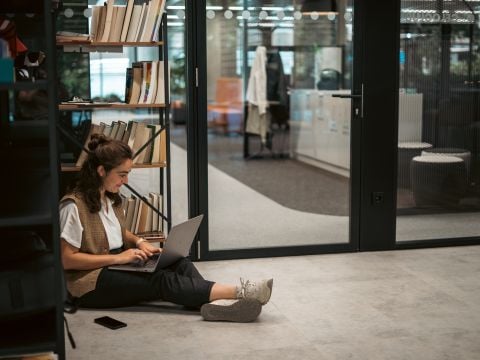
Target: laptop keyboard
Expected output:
[149,263]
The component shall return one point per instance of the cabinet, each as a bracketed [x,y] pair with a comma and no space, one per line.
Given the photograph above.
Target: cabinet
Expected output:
[31,275]
[101,110]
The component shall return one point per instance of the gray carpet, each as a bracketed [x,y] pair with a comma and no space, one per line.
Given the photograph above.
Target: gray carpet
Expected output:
[289,182]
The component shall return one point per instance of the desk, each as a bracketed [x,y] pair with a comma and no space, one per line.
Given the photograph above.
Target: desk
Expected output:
[320,127]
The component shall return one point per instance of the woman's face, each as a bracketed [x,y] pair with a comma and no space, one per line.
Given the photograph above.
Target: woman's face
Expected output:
[115,178]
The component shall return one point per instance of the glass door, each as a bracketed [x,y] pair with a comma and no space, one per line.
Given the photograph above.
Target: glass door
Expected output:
[279,142]
[439,124]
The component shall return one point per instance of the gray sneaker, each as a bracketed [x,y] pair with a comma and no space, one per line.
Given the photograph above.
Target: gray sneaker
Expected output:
[237,310]
[260,290]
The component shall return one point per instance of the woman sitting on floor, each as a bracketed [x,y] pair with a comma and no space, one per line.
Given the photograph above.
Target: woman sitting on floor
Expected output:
[94,237]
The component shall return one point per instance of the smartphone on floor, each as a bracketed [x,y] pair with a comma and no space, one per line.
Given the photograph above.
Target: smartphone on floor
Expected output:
[109,322]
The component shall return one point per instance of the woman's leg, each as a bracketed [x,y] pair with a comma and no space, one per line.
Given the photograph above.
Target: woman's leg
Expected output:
[218,291]
[222,291]
[185,267]
[118,288]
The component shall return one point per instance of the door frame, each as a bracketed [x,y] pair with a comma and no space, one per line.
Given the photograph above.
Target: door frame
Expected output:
[373,156]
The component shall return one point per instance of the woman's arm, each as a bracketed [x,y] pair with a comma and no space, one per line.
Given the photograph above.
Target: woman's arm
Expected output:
[73,259]
[131,239]
[141,243]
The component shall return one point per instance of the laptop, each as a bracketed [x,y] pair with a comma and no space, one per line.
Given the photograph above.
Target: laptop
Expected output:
[176,246]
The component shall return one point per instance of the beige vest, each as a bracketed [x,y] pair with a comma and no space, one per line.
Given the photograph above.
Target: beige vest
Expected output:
[94,241]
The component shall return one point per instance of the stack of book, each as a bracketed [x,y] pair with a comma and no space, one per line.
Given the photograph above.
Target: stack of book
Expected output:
[138,21]
[140,218]
[135,134]
[145,83]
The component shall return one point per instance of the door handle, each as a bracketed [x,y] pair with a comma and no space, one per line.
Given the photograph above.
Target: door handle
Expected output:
[353,96]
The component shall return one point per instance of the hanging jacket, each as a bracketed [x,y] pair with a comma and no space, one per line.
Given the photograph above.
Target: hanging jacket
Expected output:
[257,82]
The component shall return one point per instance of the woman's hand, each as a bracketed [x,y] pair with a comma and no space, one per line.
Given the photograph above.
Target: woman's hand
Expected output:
[131,256]
[148,248]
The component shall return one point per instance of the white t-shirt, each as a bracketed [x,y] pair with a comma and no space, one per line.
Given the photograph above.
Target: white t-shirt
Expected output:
[71,228]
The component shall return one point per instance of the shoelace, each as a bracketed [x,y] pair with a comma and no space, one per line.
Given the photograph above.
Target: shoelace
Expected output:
[243,287]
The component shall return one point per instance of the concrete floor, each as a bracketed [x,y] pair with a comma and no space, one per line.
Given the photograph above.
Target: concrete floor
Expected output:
[415,304]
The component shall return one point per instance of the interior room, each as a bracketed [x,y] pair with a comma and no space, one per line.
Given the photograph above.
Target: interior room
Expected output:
[329,145]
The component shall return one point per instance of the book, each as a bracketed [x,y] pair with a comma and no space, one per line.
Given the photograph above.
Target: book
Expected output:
[126,136]
[160,208]
[154,197]
[160,94]
[137,72]
[155,36]
[113,133]
[96,15]
[101,23]
[147,159]
[114,18]
[150,18]
[122,126]
[131,128]
[117,23]
[128,84]
[142,217]
[146,75]
[135,215]
[108,21]
[145,8]
[94,129]
[139,140]
[107,130]
[163,147]
[155,158]
[152,85]
[135,19]
[130,210]
[126,20]
[138,24]
[148,225]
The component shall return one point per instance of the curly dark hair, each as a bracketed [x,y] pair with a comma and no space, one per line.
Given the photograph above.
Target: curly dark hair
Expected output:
[103,151]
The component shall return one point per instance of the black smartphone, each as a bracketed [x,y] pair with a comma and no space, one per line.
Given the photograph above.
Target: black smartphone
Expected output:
[109,322]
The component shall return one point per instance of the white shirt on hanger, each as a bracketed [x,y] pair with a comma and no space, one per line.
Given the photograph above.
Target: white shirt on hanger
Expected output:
[257,82]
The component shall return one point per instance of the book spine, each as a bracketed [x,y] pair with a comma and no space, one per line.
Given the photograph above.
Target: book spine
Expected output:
[128,84]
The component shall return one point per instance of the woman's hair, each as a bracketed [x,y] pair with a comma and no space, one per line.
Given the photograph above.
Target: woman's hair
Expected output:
[110,154]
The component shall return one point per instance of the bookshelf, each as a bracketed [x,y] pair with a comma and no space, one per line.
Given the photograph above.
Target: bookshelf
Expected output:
[75,46]
[31,276]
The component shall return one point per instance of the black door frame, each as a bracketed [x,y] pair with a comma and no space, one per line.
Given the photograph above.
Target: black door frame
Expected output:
[373,145]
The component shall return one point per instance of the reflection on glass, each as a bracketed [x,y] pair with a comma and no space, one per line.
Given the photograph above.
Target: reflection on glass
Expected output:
[438,126]
[279,144]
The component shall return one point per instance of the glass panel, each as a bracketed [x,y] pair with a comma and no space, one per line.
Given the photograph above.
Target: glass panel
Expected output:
[439,127]
[178,135]
[279,144]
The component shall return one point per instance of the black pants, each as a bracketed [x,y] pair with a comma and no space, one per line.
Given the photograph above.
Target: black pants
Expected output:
[180,283]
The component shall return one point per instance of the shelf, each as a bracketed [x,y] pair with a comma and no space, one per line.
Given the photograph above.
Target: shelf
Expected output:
[106,106]
[27,220]
[106,44]
[73,168]
[32,333]
[24,85]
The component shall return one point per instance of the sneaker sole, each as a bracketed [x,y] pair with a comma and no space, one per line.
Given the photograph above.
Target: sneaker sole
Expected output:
[242,311]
